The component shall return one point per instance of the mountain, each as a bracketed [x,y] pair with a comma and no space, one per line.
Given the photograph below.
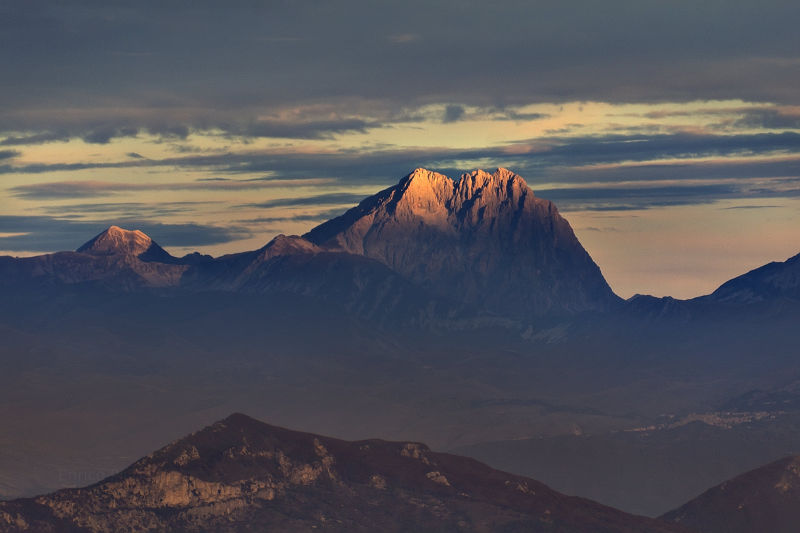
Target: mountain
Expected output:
[118,241]
[773,281]
[428,246]
[764,499]
[116,258]
[485,238]
[243,475]
[359,285]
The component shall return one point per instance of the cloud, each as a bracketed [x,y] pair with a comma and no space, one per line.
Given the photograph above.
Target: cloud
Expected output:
[752,207]
[453,113]
[320,129]
[520,117]
[104,135]
[777,119]
[322,216]
[321,199]
[615,198]
[555,159]
[133,210]
[487,52]
[617,148]
[635,198]
[90,189]
[8,154]
[233,126]
[120,74]
[38,138]
[47,234]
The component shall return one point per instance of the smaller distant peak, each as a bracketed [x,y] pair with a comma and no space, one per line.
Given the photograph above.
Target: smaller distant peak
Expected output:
[116,240]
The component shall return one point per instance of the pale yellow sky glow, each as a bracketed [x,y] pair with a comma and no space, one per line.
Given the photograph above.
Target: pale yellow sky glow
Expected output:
[686,218]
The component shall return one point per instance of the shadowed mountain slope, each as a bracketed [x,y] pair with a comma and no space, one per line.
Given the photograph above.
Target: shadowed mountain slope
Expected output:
[242,475]
[776,280]
[766,499]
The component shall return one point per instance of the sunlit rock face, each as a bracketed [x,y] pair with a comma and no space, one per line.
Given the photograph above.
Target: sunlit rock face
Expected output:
[485,239]
[242,475]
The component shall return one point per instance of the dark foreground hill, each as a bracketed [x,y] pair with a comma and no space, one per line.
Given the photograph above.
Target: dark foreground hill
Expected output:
[243,475]
[766,499]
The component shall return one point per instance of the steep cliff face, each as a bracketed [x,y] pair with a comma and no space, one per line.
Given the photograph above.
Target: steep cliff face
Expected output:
[242,475]
[486,239]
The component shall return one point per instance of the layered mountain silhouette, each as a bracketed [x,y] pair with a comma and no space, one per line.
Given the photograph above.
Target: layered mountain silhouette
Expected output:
[243,475]
[483,242]
[764,499]
[480,246]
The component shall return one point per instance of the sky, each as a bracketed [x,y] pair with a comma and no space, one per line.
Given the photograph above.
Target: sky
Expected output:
[667,133]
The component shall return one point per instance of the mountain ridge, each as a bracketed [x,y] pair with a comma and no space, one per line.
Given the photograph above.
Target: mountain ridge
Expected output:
[483,242]
[240,474]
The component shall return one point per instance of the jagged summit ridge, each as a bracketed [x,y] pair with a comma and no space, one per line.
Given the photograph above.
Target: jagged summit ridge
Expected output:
[424,191]
[484,237]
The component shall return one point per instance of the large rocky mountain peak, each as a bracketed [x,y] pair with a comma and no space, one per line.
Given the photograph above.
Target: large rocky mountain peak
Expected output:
[485,239]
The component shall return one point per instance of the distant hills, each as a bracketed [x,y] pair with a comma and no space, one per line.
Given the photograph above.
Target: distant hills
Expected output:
[243,475]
